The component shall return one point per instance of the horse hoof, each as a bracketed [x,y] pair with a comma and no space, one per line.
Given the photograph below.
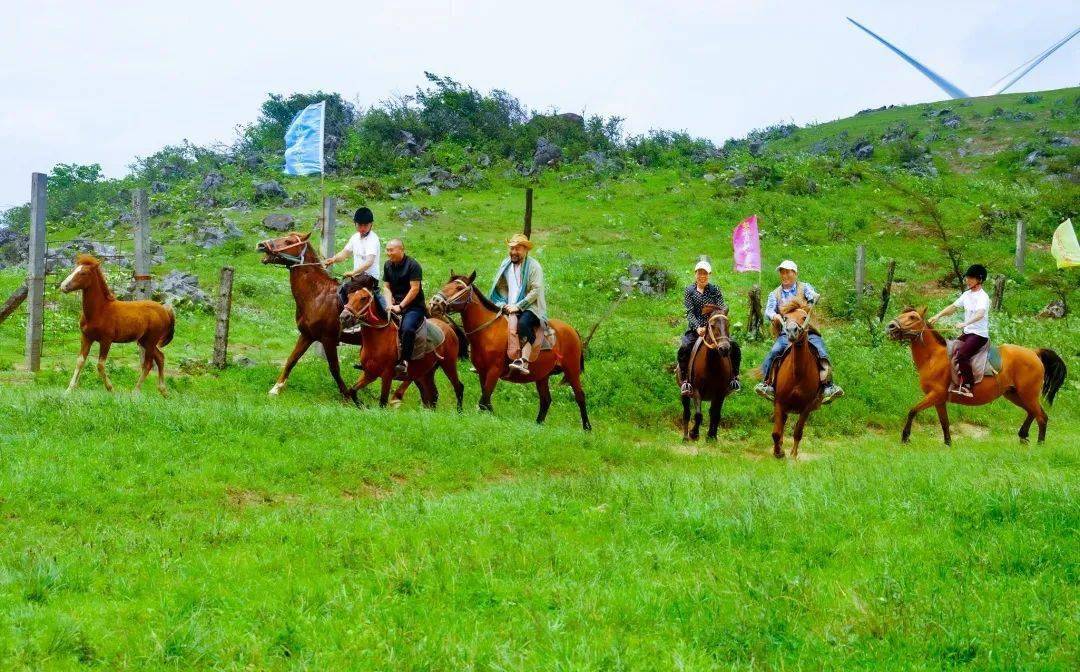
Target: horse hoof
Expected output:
[276,390]
[711,437]
[778,454]
[395,403]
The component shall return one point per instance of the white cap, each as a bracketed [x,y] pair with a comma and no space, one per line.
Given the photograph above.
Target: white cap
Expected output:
[789,265]
[703,266]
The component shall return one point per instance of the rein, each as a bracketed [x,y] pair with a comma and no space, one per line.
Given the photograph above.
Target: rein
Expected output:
[450,303]
[370,309]
[296,259]
[713,344]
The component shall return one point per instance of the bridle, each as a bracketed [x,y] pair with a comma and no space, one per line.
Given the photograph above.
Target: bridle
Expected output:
[800,329]
[455,304]
[297,259]
[911,334]
[707,339]
[373,321]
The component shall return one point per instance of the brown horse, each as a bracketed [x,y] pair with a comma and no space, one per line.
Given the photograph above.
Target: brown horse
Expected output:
[711,371]
[1025,373]
[317,307]
[380,353]
[798,383]
[108,321]
[486,328]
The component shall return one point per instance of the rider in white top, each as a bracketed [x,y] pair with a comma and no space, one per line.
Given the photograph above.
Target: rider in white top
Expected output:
[975,329]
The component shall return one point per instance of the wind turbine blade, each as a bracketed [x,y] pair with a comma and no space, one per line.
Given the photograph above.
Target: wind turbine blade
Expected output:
[945,85]
[1026,67]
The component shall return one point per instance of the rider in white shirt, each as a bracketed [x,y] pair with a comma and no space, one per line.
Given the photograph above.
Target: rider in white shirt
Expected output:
[975,328]
[365,250]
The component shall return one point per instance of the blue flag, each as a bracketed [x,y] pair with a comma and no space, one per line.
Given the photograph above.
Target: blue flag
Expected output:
[304,141]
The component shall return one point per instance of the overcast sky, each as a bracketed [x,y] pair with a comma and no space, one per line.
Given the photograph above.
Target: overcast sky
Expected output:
[107,81]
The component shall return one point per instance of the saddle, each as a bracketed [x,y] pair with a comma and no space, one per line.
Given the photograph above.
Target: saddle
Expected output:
[546,342]
[428,338]
[985,362]
[775,368]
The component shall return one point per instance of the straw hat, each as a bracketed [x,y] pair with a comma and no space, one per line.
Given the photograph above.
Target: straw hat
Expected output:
[520,239]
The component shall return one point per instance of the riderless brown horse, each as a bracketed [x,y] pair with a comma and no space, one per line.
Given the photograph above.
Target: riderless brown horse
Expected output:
[380,352]
[486,328]
[107,321]
[317,307]
[798,383]
[711,371]
[1025,373]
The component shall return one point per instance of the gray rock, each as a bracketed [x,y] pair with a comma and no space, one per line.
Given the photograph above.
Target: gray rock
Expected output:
[1060,141]
[14,246]
[396,195]
[180,288]
[158,187]
[451,183]
[269,190]
[738,180]
[862,150]
[279,221]
[485,161]
[434,190]
[546,153]
[709,177]
[423,180]
[212,236]
[756,147]
[243,362]
[211,182]
[573,118]
[1032,159]
[463,238]
[598,160]
[635,270]
[951,122]
[411,213]
[1054,310]
[820,147]
[439,174]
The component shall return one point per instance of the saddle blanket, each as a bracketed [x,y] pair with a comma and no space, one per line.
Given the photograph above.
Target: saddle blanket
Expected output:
[986,362]
[547,342]
[428,338]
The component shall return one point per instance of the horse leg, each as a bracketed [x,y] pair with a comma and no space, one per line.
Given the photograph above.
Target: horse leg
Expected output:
[544,391]
[715,409]
[572,375]
[330,348]
[302,344]
[487,387]
[399,393]
[1034,411]
[686,418]
[429,393]
[779,419]
[103,354]
[387,383]
[146,363]
[927,401]
[449,367]
[796,434]
[84,350]
[695,431]
[943,417]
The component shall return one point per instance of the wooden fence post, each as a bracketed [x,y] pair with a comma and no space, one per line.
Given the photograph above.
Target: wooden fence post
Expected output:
[35,272]
[756,320]
[999,292]
[13,302]
[329,227]
[886,290]
[140,207]
[224,308]
[1021,232]
[860,271]
[528,212]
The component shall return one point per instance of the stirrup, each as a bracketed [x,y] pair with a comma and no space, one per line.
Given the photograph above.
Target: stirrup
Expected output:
[401,368]
[519,365]
[735,385]
[686,389]
[962,391]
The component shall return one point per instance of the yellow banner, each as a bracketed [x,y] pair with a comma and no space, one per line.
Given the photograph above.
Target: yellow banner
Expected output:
[1064,247]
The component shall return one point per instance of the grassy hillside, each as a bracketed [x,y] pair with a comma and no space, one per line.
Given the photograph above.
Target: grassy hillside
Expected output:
[223,529]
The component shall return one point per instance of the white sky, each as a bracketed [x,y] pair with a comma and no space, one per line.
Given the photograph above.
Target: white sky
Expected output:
[106,81]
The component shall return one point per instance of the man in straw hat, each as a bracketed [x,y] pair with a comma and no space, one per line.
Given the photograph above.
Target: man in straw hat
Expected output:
[519,290]
[695,298]
[791,288]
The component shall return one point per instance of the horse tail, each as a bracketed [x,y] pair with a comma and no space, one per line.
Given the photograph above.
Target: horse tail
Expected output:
[1054,375]
[171,331]
[463,340]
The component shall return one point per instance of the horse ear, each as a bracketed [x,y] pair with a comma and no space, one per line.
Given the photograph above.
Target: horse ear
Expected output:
[472,277]
[921,310]
[305,236]
[707,309]
[452,274]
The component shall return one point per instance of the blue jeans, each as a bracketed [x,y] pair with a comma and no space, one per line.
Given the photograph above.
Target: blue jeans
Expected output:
[411,320]
[782,342]
[526,326]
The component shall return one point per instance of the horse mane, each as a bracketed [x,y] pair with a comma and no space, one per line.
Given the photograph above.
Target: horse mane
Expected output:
[795,303]
[94,265]
[484,300]
[926,327]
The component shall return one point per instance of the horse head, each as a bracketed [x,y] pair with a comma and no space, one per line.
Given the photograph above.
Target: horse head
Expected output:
[796,314]
[717,335]
[454,295]
[87,271]
[360,309]
[288,250]
[908,325]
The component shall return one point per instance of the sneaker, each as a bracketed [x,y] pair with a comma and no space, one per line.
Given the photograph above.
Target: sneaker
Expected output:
[831,392]
[686,389]
[962,391]
[735,385]
[519,365]
[402,369]
[765,390]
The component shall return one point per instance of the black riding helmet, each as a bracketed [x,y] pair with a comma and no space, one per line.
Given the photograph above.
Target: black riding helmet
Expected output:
[363,216]
[977,271]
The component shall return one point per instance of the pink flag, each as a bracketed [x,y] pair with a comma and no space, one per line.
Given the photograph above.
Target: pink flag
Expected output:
[747,247]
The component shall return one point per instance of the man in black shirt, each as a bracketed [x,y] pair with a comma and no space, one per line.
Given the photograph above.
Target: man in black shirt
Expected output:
[402,276]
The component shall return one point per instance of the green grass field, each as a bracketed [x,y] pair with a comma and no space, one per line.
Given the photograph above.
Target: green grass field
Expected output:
[223,529]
